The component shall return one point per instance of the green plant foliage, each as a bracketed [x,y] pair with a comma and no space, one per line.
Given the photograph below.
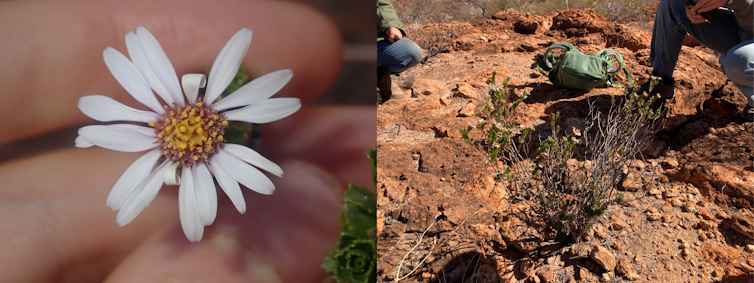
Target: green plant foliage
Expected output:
[354,258]
[566,192]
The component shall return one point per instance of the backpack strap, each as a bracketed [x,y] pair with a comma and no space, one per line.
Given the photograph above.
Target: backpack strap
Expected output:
[605,54]
[550,58]
[547,61]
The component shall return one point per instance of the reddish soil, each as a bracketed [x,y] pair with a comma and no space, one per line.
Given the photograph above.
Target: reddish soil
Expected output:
[686,215]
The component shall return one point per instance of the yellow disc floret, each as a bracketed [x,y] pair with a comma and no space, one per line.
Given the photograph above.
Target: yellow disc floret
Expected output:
[190,134]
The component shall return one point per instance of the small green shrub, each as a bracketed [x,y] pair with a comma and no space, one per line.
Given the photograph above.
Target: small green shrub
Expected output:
[570,178]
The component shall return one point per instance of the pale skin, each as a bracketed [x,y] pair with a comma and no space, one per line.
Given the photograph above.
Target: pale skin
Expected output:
[393,34]
[694,13]
[54,224]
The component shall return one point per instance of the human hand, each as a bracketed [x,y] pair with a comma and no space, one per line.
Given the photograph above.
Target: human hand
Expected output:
[694,17]
[695,13]
[393,34]
[55,225]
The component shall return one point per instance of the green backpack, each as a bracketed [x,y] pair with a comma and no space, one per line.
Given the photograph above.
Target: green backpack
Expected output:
[576,70]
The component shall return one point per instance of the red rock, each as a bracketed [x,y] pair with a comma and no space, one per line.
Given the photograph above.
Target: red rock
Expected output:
[722,215]
[624,266]
[667,218]
[521,235]
[743,222]
[445,101]
[467,91]
[599,230]
[706,225]
[427,86]
[703,213]
[628,200]
[619,225]
[467,110]
[632,182]
[546,274]
[717,254]
[667,207]
[603,257]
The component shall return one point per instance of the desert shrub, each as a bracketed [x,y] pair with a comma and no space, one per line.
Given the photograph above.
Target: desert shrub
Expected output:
[434,38]
[442,11]
[570,178]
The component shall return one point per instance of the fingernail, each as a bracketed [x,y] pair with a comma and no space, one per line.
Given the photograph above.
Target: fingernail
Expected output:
[284,237]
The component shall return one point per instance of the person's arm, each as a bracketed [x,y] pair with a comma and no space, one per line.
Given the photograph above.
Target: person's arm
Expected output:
[388,21]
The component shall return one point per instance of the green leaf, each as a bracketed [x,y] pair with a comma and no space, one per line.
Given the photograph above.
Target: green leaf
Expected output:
[358,217]
[354,258]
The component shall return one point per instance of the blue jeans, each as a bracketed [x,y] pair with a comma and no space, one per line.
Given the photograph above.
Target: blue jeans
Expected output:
[398,56]
[721,34]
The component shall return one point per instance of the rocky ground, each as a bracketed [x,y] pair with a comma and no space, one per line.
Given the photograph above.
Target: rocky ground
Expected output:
[442,217]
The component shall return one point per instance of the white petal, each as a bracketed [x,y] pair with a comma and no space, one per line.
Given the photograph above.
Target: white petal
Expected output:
[245,174]
[226,64]
[140,60]
[134,175]
[171,176]
[147,131]
[82,143]
[254,158]
[129,76]
[190,222]
[140,197]
[265,111]
[257,90]
[191,84]
[228,184]
[159,63]
[206,194]
[117,138]
[106,109]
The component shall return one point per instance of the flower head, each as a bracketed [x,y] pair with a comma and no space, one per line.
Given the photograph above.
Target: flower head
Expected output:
[185,129]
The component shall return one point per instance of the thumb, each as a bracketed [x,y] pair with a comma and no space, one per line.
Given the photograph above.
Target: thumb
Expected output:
[281,238]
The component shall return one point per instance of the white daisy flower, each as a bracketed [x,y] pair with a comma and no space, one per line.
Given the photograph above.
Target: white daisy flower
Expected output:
[186,130]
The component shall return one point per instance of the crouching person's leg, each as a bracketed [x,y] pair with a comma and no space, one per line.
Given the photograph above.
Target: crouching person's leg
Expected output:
[393,58]
[398,56]
[738,65]
[721,34]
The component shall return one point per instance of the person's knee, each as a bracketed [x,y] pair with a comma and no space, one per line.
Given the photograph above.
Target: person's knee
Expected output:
[414,51]
[738,63]
[411,51]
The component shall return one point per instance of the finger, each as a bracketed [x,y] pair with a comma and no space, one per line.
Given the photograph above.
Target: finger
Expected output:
[693,17]
[335,138]
[282,238]
[53,220]
[698,5]
[696,19]
[52,51]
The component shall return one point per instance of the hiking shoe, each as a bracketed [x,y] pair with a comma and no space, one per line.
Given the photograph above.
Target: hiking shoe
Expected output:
[748,113]
[665,88]
[385,85]
[388,90]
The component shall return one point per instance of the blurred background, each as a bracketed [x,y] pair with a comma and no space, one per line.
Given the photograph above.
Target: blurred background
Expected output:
[355,84]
